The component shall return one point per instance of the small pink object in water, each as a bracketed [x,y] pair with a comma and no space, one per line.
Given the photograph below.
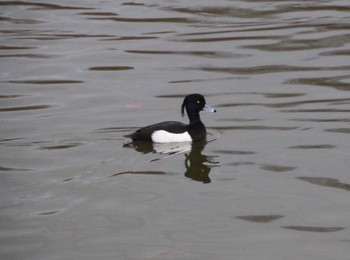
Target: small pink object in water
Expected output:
[133,105]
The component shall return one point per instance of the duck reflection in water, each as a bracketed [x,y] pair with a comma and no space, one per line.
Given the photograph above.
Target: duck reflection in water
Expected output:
[198,166]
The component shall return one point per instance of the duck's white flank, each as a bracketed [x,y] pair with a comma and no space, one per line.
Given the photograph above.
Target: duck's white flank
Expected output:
[162,136]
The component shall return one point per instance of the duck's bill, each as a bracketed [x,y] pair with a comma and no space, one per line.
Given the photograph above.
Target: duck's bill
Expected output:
[207,108]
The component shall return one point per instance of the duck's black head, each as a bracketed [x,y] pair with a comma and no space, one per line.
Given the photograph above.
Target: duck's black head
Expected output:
[195,103]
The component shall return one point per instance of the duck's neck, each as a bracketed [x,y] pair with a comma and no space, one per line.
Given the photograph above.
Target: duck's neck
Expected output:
[196,128]
[194,118]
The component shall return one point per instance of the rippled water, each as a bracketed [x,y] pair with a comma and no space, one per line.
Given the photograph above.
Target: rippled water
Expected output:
[271,181]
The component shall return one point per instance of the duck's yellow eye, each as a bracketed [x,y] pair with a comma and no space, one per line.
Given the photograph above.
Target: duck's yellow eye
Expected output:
[198,101]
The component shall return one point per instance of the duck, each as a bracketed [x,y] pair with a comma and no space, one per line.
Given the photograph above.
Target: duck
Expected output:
[173,131]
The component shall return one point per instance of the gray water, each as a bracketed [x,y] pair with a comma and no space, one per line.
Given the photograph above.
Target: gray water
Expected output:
[270,182]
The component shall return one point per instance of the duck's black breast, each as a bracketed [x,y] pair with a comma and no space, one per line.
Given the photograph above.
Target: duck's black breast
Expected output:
[197,131]
[145,133]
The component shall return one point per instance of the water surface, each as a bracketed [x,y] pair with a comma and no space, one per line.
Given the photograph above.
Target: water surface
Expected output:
[270,182]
